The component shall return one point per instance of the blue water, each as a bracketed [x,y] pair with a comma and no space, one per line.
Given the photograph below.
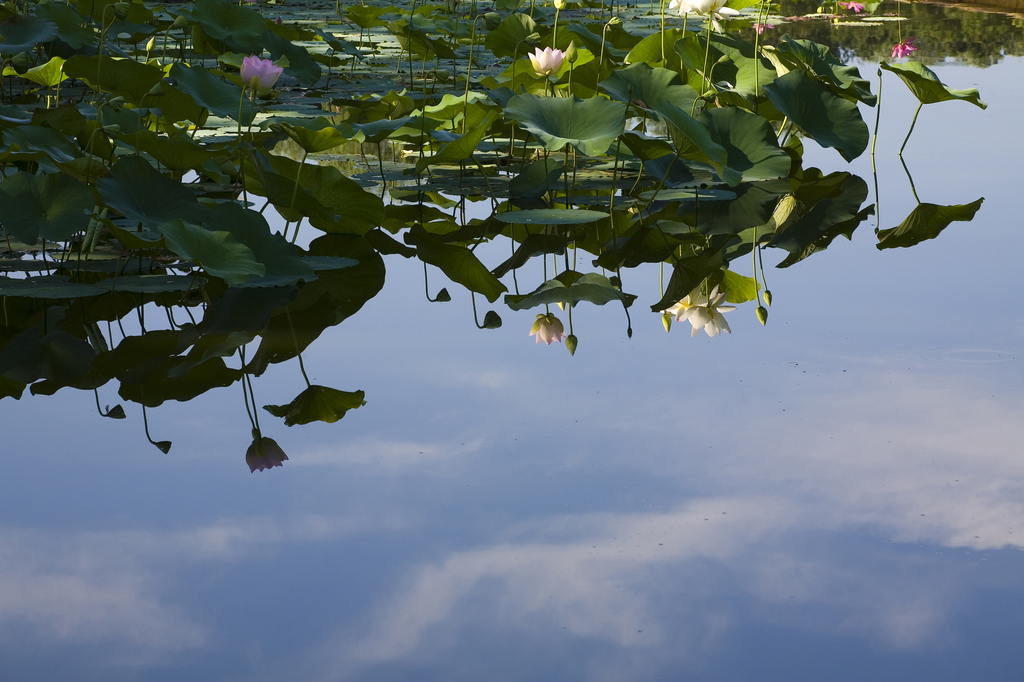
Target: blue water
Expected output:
[835,496]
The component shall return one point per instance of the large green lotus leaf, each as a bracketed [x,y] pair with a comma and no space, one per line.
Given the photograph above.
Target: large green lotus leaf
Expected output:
[694,142]
[457,262]
[366,16]
[52,206]
[11,115]
[731,63]
[460,148]
[350,208]
[750,143]
[46,287]
[832,121]
[926,221]
[150,284]
[282,263]
[23,33]
[218,252]
[159,386]
[317,135]
[72,27]
[927,87]
[651,50]
[133,351]
[532,245]
[337,44]
[738,288]
[291,201]
[40,140]
[646,148]
[592,40]
[818,60]
[219,97]
[10,389]
[536,179]
[378,131]
[513,37]
[245,310]
[648,87]
[590,125]
[750,207]
[125,77]
[689,272]
[49,74]
[177,152]
[592,287]
[300,65]
[174,106]
[550,216]
[57,356]
[222,20]
[318,404]
[823,218]
[140,193]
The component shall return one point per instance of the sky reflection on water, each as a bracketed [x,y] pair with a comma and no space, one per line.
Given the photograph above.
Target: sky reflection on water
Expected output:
[836,496]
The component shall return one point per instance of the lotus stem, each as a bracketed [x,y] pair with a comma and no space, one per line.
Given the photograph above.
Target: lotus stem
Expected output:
[554,31]
[662,30]
[878,114]
[912,124]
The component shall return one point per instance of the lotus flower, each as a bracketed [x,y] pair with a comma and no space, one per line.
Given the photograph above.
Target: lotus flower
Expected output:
[713,9]
[264,453]
[703,312]
[546,62]
[855,6]
[904,48]
[548,328]
[259,74]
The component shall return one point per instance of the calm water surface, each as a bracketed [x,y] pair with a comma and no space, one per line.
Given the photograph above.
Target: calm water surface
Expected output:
[836,496]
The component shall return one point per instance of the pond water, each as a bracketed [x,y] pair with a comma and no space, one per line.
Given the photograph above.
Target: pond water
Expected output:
[836,495]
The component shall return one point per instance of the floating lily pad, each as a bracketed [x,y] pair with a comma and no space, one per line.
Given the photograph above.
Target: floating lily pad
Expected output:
[550,216]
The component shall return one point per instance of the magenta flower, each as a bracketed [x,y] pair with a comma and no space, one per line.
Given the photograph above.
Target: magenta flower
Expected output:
[855,6]
[903,49]
[264,453]
[259,74]
[760,28]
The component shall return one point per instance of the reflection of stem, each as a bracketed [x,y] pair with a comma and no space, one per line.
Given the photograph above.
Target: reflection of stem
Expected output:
[245,394]
[426,285]
[472,297]
[912,188]
[912,123]
[295,342]
[878,115]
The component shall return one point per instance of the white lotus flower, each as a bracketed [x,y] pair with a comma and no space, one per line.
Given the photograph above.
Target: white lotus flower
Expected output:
[703,311]
[548,328]
[547,61]
[680,6]
[713,9]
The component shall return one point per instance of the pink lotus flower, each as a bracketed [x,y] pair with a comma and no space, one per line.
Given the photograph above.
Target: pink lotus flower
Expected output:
[760,28]
[548,328]
[903,49]
[547,61]
[264,453]
[855,6]
[259,74]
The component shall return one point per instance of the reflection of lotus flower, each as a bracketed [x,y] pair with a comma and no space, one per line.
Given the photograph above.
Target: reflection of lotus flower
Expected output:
[546,62]
[903,49]
[259,74]
[703,311]
[761,27]
[264,453]
[713,9]
[855,6]
[548,328]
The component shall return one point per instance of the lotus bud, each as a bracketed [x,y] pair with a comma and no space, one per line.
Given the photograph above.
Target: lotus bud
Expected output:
[116,103]
[762,315]
[561,305]
[491,320]
[560,4]
[179,21]
[121,10]
[784,211]
[111,130]
[614,21]
[150,44]
[768,298]
[570,343]
[156,91]
[615,282]
[666,321]
[443,296]
[571,54]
